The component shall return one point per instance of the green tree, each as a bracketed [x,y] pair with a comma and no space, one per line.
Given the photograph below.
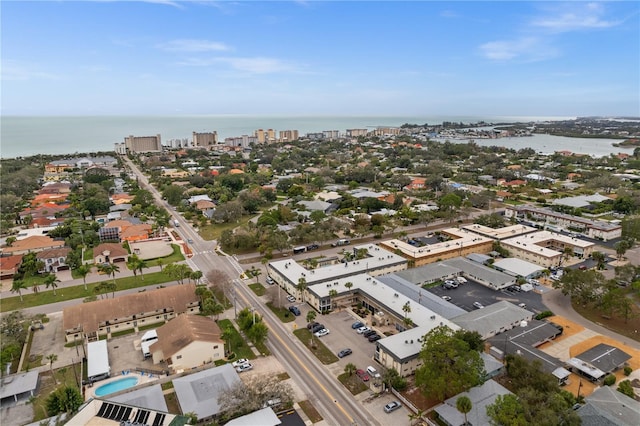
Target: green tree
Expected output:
[17,286]
[195,276]
[173,194]
[52,358]
[350,368]
[51,281]
[258,332]
[84,270]
[449,366]
[66,399]
[507,411]
[311,315]
[302,286]
[621,248]
[464,405]
[227,336]
[625,388]
[600,259]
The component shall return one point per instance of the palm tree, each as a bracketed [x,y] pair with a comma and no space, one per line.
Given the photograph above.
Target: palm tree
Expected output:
[302,286]
[51,281]
[52,358]
[600,259]
[350,369]
[132,264]
[348,285]
[416,416]
[332,293]
[35,287]
[217,310]
[311,315]
[464,405]
[109,269]
[83,271]
[17,286]
[227,335]
[406,308]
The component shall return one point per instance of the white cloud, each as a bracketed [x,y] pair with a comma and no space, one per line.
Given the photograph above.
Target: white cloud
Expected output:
[16,71]
[526,49]
[191,45]
[575,16]
[252,65]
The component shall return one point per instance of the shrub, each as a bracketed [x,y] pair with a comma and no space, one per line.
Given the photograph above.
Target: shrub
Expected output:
[627,370]
[543,315]
[625,388]
[609,380]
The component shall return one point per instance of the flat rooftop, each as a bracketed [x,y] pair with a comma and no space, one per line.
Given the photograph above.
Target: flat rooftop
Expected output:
[535,242]
[462,238]
[379,258]
[500,233]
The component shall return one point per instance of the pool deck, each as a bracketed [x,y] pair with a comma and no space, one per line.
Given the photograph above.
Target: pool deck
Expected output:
[90,391]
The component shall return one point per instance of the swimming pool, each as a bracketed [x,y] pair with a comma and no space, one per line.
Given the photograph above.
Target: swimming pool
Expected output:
[116,386]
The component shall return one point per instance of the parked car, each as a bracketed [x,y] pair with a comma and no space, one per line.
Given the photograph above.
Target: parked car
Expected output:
[522,305]
[312,247]
[374,337]
[341,242]
[372,371]
[322,332]
[344,353]
[244,367]
[447,298]
[363,329]
[357,324]
[461,280]
[317,327]
[270,281]
[392,406]
[363,375]
[369,333]
[311,325]
[294,310]
[291,298]
[240,362]
[478,305]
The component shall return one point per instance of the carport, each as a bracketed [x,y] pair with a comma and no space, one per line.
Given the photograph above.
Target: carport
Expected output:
[19,384]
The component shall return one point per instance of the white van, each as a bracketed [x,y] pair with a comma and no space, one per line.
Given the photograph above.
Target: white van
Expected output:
[148,339]
[373,372]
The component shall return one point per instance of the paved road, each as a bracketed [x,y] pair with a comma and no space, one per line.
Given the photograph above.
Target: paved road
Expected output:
[560,304]
[331,399]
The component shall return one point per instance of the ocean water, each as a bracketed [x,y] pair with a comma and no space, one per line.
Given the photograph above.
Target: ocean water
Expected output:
[24,136]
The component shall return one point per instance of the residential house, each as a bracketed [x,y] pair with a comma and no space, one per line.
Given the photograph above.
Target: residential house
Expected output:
[33,244]
[480,396]
[109,253]
[9,266]
[136,232]
[128,312]
[122,198]
[188,341]
[608,407]
[54,260]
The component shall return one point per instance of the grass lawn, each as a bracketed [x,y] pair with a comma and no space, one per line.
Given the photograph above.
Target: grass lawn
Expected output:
[282,313]
[320,351]
[614,323]
[78,292]
[64,376]
[176,256]
[87,254]
[432,285]
[353,383]
[310,411]
[258,289]
[172,403]
[238,345]
[167,385]
[213,232]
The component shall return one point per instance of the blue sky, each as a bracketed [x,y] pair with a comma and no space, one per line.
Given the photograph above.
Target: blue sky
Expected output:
[330,58]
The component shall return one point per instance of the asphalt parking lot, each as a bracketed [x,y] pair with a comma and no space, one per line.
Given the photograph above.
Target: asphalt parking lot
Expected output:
[466,294]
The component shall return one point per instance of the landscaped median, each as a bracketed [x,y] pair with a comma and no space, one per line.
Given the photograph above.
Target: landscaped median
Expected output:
[316,346]
[78,292]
